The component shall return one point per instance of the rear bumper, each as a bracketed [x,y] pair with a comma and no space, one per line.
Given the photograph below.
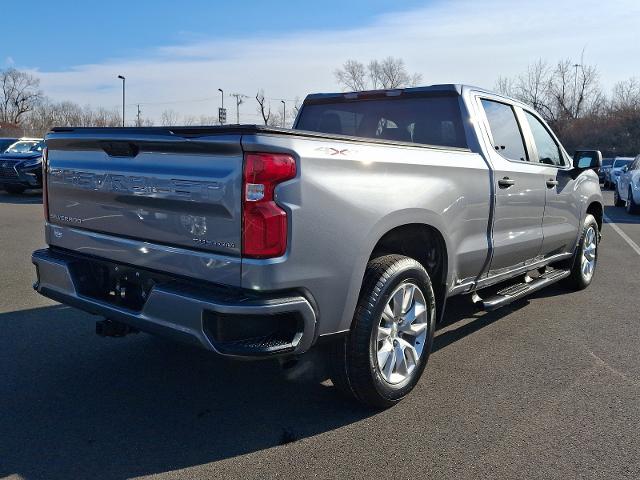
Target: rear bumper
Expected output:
[195,314]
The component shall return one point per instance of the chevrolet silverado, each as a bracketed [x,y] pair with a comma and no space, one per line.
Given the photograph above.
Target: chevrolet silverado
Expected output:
[350,231]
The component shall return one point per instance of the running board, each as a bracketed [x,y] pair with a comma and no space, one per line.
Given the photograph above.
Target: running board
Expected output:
[520,290]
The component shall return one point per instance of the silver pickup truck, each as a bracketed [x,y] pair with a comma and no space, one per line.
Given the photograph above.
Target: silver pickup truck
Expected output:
[350,231]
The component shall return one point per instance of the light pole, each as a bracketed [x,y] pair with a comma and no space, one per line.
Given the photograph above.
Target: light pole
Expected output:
[575,88]
[284,113]
[121,77]
[239,101]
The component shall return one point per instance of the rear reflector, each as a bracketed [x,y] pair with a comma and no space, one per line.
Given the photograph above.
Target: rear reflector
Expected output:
[264,223]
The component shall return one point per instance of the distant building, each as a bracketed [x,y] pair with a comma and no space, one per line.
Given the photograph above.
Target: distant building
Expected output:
[10,130]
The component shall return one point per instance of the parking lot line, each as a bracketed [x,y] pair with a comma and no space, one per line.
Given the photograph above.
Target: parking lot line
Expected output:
[624,236]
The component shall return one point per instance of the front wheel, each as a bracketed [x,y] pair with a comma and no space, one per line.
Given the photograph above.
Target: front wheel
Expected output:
[586,257]
[382,358]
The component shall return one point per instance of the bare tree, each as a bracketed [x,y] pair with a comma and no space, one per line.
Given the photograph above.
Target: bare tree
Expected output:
[169,118]
[566,91]
[533,87]
[572,87]
[626,95]
[189,120]
[373,75]
[264,108]
[387,73]
[505,86]
[46,115]
[352,75]
[275,120]
[392,73]
[569,96]
[19,94]
[208,120]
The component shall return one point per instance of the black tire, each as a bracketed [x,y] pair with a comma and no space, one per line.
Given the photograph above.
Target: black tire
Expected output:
[617,201]
[631,206]
[354,359]
[14,190]
[577,280]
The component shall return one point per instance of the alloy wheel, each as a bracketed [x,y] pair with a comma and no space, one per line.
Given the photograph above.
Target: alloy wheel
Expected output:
[589,252]
[402,333]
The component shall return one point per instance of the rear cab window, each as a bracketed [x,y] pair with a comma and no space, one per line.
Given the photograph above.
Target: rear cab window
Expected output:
[426,119]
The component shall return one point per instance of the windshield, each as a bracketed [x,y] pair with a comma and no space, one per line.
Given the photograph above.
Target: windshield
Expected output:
[607,162]
[6,142]
[430,120]
[26,146]
[621,163]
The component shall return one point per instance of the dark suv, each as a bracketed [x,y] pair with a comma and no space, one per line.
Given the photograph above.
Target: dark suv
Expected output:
[21,165]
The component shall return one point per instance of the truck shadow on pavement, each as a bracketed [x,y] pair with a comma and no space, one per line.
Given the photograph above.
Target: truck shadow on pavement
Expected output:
[73,405]
[463,318]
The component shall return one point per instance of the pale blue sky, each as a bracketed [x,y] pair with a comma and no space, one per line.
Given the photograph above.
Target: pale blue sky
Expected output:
[55,35]
[176,54]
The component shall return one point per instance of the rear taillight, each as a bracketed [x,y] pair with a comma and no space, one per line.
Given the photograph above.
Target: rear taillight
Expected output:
[45,195]
[264,223]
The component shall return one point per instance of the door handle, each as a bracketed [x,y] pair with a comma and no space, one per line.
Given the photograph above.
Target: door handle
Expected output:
[552,183]
[506,182]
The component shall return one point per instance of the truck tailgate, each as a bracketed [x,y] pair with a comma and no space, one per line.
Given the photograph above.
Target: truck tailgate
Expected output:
[158,188]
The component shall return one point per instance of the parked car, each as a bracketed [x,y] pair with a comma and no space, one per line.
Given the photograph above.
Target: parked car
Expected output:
[21,165]
[614,172]
[607,163]
[6,142]
[627,191]
[349,232]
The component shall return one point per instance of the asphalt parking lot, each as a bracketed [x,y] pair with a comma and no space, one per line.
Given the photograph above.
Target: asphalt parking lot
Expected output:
[545,388]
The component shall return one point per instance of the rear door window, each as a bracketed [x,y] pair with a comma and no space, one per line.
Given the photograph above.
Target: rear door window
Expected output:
[505,130]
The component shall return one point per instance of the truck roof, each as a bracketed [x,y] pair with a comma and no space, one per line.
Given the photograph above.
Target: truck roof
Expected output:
[443,89]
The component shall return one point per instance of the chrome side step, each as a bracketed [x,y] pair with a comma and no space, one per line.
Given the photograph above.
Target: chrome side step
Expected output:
[519,290]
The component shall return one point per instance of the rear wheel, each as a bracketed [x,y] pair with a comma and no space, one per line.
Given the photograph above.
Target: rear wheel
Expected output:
[382,358]
[586,258]
[14,190]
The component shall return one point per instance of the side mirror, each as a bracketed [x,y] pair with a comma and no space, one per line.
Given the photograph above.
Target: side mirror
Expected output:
[587,159]
[625,169]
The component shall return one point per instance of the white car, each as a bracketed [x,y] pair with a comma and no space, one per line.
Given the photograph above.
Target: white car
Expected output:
[627,188]
[618,164]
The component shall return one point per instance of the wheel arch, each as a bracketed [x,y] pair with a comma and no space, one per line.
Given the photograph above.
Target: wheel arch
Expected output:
[596,209]
[424,242]
[389,227]
[420,241]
